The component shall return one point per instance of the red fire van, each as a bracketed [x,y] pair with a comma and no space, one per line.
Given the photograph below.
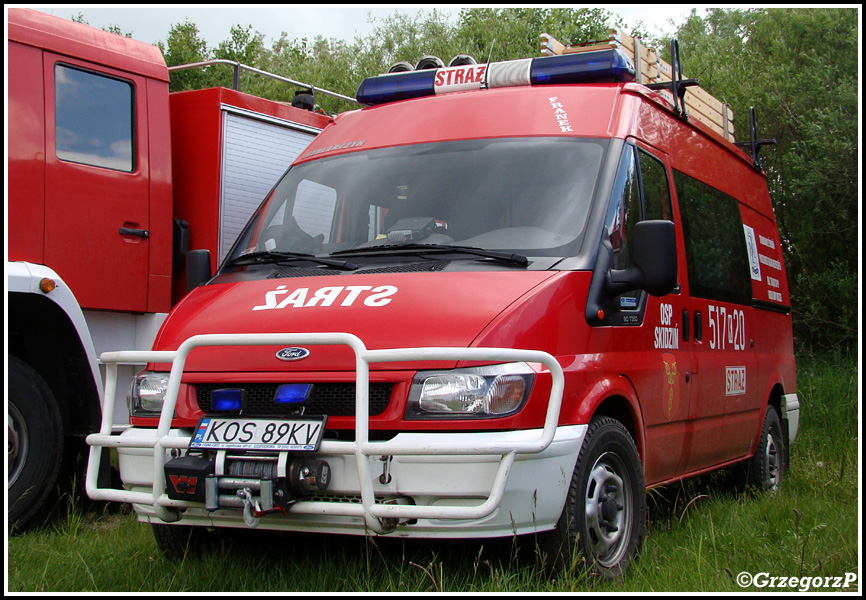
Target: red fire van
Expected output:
[502,299]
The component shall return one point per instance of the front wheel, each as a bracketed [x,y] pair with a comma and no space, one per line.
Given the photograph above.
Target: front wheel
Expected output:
[604,520]
[176,542]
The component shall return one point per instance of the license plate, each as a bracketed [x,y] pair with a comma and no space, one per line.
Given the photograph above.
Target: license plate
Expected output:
[295,434]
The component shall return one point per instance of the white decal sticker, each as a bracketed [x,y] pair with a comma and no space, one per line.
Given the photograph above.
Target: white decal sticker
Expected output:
[560,114]
[327,296]
[765,241]
[355,144]
[752,246]
[735,381]
[382,295]
[727,329]
[458,79]
[770,262]
[666,337]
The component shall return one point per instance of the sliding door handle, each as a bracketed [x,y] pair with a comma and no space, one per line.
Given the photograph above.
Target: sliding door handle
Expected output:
[142,233]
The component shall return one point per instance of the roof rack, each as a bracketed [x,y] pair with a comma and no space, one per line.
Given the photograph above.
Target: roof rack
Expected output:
[238,67]
[754,144]
[652,71]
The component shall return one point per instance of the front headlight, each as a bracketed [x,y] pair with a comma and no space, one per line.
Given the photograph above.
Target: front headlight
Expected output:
[481,392]
[147,394]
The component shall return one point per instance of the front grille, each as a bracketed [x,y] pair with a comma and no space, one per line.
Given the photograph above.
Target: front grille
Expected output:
[332,399]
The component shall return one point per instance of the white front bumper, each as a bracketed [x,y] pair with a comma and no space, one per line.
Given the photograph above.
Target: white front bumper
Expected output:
[433,496]
[441,484]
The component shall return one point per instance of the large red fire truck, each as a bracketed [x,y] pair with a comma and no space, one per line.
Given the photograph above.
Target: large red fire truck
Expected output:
[503,299]
[110,180]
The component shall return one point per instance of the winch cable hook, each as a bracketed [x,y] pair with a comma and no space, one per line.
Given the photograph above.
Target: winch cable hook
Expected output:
[251,508]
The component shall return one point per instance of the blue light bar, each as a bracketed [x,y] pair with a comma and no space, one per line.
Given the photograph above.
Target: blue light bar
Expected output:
[582,67]
[598,66]
[228,400]
[292,393]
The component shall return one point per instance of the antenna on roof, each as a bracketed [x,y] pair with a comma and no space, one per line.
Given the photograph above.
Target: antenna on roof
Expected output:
[487,69]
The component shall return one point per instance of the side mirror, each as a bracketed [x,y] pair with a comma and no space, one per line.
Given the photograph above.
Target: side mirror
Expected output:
[654,267]
[197,268]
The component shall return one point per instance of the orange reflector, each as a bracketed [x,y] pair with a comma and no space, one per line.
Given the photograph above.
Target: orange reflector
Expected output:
[600,314]
[46,285]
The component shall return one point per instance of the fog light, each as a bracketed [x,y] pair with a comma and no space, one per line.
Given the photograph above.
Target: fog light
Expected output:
[229,400]
[293,393]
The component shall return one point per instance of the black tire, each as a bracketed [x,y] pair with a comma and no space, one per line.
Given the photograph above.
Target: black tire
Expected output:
[176,542]
[603,523]
[35,447]
[179,542]
[766,469]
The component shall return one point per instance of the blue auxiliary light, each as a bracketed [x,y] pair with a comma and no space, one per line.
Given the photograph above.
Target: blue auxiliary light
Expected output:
[599,66]
[228,400]
[582,67]
[293,393]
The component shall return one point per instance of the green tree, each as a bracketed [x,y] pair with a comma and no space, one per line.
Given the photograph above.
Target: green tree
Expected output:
[115,29]
[246,47]
[511,33]
[185,46]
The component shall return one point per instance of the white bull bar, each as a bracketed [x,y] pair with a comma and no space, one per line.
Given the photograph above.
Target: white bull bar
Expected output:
[374,514]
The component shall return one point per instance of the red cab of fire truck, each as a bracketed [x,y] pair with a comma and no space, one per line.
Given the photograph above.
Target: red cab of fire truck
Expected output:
[529,291]
[103,199]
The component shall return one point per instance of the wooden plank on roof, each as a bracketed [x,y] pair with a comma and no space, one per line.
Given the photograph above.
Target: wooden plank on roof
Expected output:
[700,104]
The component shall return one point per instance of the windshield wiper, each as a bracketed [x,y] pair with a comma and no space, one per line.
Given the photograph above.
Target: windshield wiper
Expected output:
[508,257]
[267,256]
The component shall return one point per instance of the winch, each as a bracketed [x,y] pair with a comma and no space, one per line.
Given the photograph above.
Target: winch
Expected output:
[258,484]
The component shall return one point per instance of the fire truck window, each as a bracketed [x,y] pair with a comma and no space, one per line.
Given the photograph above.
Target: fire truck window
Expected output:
[633,201]
[716,254]
[624,211]
[526,195]
[93,119]
[314,208]
[656,191]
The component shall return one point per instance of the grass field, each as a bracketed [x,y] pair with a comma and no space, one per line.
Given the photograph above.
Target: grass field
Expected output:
[702,536]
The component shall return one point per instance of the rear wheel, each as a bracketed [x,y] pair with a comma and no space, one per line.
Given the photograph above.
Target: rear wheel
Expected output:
[604,520]
[767,468]
[35,442]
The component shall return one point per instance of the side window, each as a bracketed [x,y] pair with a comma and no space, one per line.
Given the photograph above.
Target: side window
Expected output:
[624,211]
[94,117]
[641,192]
[656,190]
[718,263]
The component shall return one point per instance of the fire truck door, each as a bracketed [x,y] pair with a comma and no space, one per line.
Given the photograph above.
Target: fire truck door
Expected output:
[721,410]
[96,183]
[651,336]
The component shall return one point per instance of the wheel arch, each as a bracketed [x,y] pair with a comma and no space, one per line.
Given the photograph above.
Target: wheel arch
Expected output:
[611,397]
[41,334]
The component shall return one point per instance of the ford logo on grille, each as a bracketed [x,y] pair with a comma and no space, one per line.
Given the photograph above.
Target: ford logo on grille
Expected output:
[293,353]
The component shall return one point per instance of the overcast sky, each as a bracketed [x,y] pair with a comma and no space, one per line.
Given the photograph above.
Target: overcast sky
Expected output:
[151,23]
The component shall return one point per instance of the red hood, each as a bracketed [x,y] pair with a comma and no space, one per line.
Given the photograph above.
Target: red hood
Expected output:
[383,310]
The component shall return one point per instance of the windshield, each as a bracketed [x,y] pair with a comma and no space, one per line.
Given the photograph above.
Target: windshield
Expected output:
[524,195]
